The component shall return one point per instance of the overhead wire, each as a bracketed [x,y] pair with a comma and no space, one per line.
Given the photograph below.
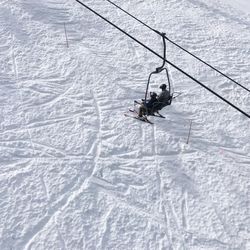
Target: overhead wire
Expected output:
[179,46]
[167,61]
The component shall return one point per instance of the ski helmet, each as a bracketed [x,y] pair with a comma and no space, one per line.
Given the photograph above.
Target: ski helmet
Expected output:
[163,86]
[153,94]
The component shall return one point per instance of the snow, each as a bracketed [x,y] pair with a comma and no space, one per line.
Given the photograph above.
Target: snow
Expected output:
[76,174]
[243,5]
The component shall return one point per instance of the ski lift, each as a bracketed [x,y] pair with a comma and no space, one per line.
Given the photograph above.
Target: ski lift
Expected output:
[159,105]
[169,88]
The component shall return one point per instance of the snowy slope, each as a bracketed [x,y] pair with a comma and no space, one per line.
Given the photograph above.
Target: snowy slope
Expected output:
[243,5]
[76,174]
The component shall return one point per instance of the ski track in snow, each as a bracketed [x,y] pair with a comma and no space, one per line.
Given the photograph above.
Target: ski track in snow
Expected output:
[76,174]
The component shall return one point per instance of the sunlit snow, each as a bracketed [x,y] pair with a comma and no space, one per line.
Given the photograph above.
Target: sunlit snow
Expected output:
[75,173]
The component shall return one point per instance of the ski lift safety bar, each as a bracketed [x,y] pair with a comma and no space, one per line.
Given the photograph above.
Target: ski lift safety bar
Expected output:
[170,63]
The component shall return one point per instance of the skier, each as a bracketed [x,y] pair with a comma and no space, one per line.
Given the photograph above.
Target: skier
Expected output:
[149,105]
[164,96]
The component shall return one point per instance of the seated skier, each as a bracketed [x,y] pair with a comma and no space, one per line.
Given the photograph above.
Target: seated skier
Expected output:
[156,102]
[149,105]
[162,98]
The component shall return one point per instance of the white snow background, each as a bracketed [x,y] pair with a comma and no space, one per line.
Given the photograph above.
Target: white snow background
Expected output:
[75,173]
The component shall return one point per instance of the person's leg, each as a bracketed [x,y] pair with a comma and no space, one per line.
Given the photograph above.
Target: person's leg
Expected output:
[141,110]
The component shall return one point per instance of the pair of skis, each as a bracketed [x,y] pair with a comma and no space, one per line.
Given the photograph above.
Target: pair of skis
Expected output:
[134,114]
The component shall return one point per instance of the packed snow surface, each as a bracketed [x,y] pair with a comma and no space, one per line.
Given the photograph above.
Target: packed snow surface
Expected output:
[75,173]
[243,5]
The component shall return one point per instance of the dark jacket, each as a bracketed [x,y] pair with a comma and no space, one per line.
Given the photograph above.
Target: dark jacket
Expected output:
[164,96]
[151,102]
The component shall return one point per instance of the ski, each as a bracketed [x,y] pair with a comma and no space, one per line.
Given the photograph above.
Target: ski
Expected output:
[143,119]
[156,115]
[133,111]
[159,115]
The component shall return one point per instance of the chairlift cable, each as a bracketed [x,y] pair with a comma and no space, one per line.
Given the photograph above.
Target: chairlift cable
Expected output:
[167,61]
[180,47]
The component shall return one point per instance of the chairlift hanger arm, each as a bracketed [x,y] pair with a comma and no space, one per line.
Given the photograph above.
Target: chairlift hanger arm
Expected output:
[170,63]
[164,52]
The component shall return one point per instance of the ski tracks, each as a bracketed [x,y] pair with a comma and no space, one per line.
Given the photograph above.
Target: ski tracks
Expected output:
[15,67]
[75,188]
[124,177]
